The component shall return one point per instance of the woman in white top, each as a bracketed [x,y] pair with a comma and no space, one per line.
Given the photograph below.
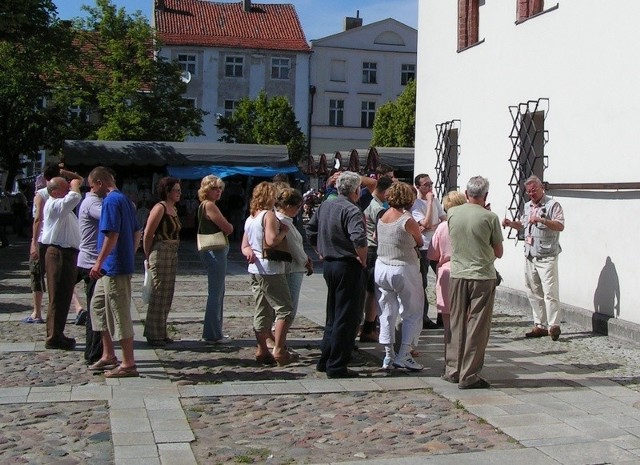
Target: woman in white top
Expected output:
[397,277]
[268,280]
[288,206]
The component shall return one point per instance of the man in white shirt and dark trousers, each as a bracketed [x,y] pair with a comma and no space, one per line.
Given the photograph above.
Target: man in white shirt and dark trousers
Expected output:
[61,237]
[428,212]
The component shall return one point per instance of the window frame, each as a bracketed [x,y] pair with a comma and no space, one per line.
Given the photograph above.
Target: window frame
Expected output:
[407,75]
[367,114]
[336,112]
[280,68]
[228,112]
[234,66]
[188,62]
[369,72]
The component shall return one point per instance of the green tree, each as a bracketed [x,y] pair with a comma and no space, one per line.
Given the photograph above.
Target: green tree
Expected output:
[395,123]
[129,93]
[264,120]
[35,53]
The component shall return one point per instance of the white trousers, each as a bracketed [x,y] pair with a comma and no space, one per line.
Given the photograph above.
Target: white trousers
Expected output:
[541,276]
[399,292]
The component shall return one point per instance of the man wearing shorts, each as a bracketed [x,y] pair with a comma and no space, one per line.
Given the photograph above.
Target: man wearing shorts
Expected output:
[118,239]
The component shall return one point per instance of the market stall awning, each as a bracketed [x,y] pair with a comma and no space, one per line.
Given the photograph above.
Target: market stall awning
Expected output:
[199,172]
[141,153]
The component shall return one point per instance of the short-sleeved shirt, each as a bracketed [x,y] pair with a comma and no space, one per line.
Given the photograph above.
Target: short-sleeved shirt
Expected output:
[118,215]
[473,231]
[419,212]
[89,217]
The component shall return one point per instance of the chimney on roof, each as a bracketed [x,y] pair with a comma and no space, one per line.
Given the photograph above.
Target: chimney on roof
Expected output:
[351,23]
[160,5]
[246,4]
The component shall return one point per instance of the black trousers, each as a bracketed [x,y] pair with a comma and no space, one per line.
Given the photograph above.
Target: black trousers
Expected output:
[345,294]
[93,345]
[61,272]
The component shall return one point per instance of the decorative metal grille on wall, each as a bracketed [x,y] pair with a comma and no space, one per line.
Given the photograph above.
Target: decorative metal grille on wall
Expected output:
[448,152]
[528,139]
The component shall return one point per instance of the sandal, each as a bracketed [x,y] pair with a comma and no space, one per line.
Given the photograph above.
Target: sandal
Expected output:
[29,320]
[102,365]
[286,358]
[266,359]
[122,372]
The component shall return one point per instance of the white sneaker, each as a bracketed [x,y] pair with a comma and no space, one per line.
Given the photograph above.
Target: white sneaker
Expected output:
[407,362]
[387,363]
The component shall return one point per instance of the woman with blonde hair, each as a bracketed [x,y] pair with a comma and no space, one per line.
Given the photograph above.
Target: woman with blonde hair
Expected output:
[160,244]
[268,280]
[211,221]
[440,251]
[397,277]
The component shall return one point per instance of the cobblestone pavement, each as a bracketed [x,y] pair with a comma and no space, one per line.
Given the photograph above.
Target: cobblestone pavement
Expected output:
[275,428]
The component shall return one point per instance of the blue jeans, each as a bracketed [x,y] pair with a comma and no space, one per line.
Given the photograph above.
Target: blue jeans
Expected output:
[215,262]
[294,280]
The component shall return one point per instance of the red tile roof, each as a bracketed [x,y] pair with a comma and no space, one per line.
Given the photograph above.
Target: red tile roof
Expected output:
[214,24]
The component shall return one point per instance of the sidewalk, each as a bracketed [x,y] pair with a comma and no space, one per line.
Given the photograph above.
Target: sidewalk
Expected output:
[550,403]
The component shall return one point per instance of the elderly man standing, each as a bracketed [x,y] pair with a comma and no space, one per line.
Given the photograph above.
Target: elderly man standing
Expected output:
[542,223]
[476,241]
[61,237]
[337,230]
[118,239]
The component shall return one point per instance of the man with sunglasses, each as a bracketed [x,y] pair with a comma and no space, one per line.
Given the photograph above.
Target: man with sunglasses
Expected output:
[428,212]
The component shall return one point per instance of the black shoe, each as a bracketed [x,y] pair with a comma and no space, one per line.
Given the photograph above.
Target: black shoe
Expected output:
[63,344]
[344,374]
[439,321]
[429,324]
[480,384]
[321,367]
[81,318]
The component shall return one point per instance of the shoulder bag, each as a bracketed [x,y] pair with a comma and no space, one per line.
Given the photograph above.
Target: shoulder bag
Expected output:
[209,241]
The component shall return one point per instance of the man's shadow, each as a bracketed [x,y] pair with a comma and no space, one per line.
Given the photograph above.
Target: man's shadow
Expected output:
[606,299]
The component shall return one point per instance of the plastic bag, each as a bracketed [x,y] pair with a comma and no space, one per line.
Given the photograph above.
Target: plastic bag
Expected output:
[146,284]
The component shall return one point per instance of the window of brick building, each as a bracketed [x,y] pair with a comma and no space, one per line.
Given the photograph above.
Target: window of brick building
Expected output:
[369,73]
[233,66]
[336,112]
[368,114]
[408,73]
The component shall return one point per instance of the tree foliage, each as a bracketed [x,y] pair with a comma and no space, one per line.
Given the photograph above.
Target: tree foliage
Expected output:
[35,54]
[130,93]
[395,123]
[103,64]
[264,120]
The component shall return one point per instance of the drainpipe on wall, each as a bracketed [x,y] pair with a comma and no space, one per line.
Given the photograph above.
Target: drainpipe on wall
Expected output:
[312,93]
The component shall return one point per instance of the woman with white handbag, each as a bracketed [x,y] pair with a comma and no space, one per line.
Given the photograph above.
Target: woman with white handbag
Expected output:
[213,247]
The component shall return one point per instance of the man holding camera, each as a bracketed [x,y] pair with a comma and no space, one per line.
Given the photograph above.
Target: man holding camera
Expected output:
[542,223]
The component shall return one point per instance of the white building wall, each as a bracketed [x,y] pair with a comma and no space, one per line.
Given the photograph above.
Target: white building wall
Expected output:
[583,58]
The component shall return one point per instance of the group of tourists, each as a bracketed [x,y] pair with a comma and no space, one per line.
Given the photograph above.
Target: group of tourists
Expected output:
[377,237]
[386,251]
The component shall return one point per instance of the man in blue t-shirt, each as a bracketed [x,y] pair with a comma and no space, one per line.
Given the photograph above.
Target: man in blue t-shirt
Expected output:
[118,239]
